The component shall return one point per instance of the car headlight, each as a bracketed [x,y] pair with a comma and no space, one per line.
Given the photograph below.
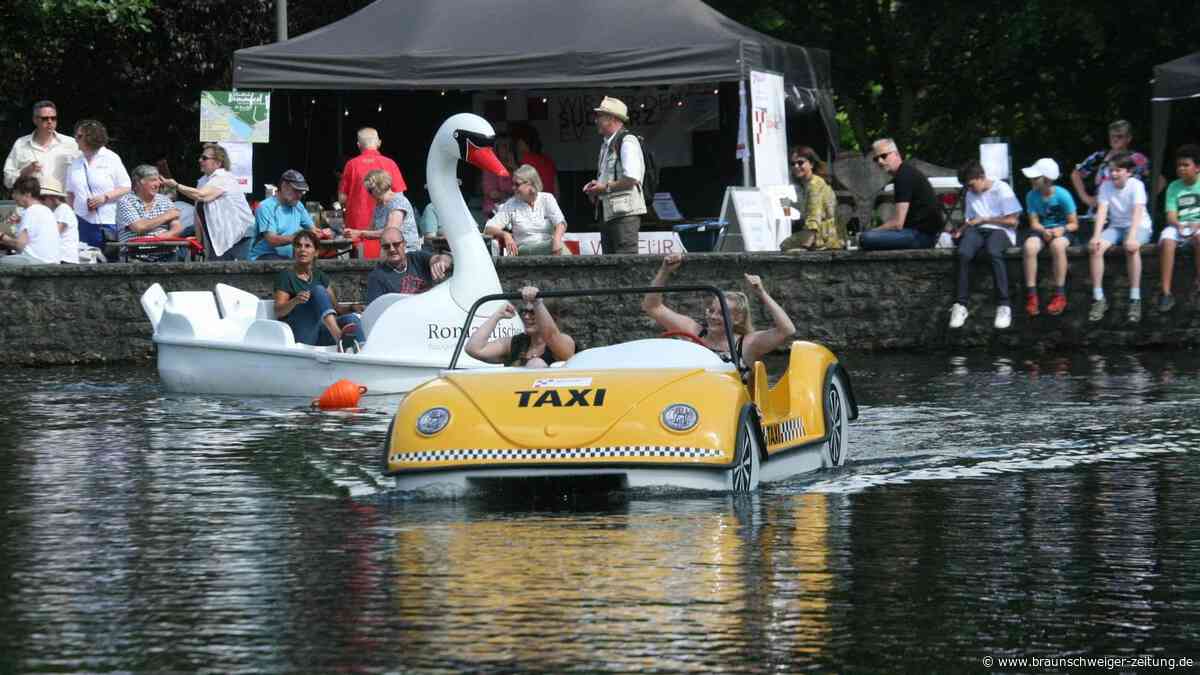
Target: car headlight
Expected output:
[433,421]
[680,417]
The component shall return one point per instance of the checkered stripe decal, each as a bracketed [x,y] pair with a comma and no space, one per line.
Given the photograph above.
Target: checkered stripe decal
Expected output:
[785,431]
[524,454]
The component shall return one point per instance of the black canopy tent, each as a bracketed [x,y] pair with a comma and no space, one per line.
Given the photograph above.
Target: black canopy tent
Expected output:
[533,44]
[1173,81]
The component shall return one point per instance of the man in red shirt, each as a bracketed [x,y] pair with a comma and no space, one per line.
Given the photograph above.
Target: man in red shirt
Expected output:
[359,205]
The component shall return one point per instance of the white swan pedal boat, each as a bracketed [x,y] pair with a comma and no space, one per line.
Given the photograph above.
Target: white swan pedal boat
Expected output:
[227,341]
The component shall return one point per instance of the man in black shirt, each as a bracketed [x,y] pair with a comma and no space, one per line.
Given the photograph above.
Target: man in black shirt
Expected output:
[918,219]
[400,272]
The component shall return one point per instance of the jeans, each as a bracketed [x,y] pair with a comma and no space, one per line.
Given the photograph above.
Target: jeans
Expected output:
[308,320]
[890,240]
[973,240]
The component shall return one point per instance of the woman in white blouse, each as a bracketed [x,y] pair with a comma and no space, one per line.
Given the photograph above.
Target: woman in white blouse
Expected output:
[228,228]
[95,181]
[530,222]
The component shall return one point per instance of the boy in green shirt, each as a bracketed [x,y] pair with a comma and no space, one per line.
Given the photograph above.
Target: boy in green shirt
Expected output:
[1183,219]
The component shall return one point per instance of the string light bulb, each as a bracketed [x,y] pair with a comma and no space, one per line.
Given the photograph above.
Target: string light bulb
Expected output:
[380,108]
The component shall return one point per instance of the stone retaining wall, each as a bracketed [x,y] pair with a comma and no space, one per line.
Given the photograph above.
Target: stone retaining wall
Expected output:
[845,299]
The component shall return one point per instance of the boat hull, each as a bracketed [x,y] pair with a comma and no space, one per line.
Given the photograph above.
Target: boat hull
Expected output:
[459,482]
[213,367]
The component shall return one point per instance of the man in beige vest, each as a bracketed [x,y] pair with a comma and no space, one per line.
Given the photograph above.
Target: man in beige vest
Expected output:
[620,196]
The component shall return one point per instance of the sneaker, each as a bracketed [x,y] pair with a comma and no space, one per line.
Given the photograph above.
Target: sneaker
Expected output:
[1135,311]
[1166,303]
[958,316]
[1004,316]
[1058,304]
[1031,305]
[1099,307]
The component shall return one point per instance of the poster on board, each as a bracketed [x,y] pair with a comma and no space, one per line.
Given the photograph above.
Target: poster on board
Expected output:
[241,116]
[768,128]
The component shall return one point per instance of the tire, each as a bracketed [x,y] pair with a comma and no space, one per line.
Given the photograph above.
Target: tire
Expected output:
[837,422]
[387,445]
[743,476]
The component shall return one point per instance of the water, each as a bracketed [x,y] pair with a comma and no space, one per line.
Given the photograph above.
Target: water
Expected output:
[993,507]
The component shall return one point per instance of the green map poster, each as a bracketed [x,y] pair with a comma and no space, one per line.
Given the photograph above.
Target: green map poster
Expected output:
[243,116]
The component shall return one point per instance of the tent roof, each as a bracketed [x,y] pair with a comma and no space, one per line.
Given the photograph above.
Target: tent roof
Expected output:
[1178,79]
[525,44]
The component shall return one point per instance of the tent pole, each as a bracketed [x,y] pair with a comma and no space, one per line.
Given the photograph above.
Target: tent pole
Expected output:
[280,20]
[341,112]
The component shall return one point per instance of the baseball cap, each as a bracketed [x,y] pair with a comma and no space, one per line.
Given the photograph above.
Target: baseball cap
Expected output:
[295,178]
[1043,167]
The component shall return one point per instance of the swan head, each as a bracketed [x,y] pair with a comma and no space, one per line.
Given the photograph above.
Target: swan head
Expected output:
[471,139]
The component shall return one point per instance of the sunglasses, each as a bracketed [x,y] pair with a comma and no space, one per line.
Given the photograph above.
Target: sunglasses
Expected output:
[798,162]
[393,245]
[882,156]
[48,118]
[527,311]
[204,157]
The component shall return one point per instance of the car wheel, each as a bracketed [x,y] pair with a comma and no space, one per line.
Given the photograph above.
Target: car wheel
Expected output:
[743,476]
[837,422]
[387,444]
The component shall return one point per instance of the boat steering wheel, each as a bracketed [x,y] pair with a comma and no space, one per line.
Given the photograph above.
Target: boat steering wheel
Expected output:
[684,335]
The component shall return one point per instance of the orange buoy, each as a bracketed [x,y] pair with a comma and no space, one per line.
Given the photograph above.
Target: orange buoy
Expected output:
[340,394]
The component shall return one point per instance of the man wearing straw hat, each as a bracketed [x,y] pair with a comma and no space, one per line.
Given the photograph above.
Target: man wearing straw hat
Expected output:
[618,184]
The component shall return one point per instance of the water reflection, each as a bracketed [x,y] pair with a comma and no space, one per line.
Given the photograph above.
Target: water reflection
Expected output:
[995,504]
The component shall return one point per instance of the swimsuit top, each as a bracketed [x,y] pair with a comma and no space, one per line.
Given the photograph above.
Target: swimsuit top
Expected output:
[520,344]
[737,347]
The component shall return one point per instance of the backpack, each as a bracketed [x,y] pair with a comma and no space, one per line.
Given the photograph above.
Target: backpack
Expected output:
[650,178]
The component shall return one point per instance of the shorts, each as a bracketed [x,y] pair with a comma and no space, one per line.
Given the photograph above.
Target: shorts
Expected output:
[1116,235]
[1175,234]
[1073,238]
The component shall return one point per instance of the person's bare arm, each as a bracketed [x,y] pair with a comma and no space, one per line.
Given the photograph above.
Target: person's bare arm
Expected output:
[759,343]
[142,225]
[495,351]
[557,342]
[285,302]
[896,222]
[1081,190]
[652,304]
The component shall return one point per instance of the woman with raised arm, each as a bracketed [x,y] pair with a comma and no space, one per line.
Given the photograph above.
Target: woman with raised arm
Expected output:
[541,344]
[750,345]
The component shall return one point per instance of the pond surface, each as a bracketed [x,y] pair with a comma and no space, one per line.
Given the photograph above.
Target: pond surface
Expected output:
[993,507]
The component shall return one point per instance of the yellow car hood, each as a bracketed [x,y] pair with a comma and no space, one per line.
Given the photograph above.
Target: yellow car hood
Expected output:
[563,409]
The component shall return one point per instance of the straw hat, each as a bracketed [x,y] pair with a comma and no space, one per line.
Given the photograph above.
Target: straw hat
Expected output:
[51,186]
[615,107]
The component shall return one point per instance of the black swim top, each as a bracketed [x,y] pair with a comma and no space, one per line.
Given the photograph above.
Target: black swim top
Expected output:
[737,347]
[520,344]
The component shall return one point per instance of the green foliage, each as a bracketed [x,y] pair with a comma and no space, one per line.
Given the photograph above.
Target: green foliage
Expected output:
[938,76]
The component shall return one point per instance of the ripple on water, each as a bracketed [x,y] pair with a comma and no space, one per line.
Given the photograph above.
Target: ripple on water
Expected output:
[992,505]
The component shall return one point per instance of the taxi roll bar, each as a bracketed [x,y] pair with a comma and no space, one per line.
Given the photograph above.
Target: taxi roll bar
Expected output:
[634,290]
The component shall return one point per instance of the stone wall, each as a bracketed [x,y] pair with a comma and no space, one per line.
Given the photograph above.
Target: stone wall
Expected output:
[845,299]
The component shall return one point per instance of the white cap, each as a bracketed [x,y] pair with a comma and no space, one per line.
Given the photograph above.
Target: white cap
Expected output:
[1043,167]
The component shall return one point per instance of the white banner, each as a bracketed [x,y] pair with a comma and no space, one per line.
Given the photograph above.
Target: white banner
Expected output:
[565,121]
[652,243]
[768,127]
